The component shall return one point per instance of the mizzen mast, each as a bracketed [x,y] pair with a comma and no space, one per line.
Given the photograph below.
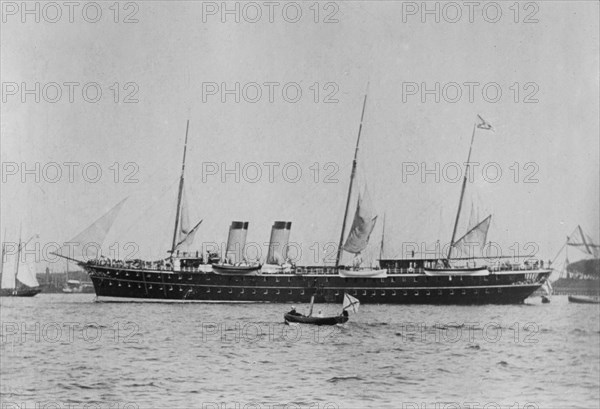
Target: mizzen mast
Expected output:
[462,193]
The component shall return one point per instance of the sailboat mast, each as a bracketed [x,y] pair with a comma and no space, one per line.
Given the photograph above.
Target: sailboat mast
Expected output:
[339,253]
[462,193]
[18,257]
[382,238]
[180,194]
[3,252]
[565,267]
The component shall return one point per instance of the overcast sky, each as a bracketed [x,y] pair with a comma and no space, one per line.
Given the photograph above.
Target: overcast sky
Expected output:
[546,119]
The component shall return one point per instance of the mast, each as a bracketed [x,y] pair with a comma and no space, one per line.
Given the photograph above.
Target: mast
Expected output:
[382,238]
[3,252]
[462,193]
[180,194]
[18,258]
[566,270]
[339,253]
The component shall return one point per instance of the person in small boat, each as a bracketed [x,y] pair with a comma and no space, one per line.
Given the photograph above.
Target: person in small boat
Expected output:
[345,313]
[294,312]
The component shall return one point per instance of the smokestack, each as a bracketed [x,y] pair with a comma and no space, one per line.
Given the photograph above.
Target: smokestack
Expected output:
[278,245]
[236,241]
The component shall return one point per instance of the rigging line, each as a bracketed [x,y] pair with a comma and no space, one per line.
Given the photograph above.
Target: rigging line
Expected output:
[435,203]
[150,206]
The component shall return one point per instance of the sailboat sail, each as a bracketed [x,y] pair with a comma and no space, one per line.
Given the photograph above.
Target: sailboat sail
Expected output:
[236,242]
[278,244]
[362,226]
[350,303]
[8,272]
[473,218]
[186,232]
[473,241]
[26,274]
[87,244]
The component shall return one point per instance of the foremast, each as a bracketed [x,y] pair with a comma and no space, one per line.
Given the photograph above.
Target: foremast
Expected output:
[180,193]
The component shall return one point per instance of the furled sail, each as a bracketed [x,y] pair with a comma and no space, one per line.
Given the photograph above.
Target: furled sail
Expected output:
[278,244]
[236,241]
[186,232]
[87,244]
[184,220]
[583,242]
[362,226]
[472,242]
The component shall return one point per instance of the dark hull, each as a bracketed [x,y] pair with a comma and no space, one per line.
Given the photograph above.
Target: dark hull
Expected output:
[20,292]
[119,284]
[301,319]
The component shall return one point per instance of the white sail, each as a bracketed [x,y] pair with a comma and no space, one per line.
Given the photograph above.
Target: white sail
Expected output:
[473,218]
[186,232]
[26,274]
[8,272]
[184,220]
[362,226]
[351,304]
[188,239]
[87,244]
[473,242]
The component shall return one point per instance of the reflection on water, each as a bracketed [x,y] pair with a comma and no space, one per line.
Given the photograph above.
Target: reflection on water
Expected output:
[68,350]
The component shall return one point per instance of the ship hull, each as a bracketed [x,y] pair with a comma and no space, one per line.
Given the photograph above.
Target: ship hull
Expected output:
[118,284]
[20,292]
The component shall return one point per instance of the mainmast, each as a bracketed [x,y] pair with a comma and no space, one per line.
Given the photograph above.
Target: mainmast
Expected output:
[339,253]
[3,252]
[382,238]
[18,257]
[462,193]
[180,194]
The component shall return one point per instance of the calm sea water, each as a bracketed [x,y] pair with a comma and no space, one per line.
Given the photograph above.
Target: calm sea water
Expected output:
[61,350]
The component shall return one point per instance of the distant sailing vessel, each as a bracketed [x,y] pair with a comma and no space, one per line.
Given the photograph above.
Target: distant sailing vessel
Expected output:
[20,280]
[188,277]
[581,277]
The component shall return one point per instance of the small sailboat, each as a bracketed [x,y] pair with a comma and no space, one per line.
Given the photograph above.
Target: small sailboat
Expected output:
[19,281]
[235,262]
[362,225]
[350,304]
